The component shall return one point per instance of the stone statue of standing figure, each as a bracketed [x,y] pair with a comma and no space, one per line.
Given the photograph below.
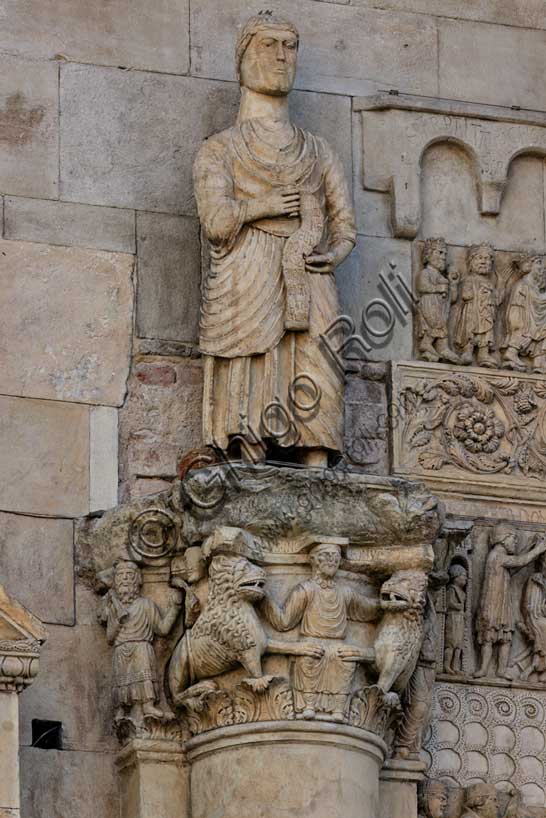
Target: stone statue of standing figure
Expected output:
[436,293]
[479,300]
[276,210]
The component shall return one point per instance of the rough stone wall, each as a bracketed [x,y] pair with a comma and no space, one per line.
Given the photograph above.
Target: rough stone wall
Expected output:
[102,108]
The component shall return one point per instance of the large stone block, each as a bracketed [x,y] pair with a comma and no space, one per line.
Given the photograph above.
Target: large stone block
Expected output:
[103,463]
[102,228]
[375,287]
[169,277]
[68,784]
[494,64]
[160,421]
[37,565]
[526,13]
[450,205]
[29,126]
[45,457]
[66,315]
[73,687]
[142,35]
[342,47]
[151,127]
[329,116]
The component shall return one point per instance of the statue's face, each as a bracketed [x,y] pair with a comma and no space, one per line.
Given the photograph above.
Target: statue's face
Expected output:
[488,808]
[126,581]
[438,258]
[483,262]
[537,271]
[437,803]
[327,562]
[269,62]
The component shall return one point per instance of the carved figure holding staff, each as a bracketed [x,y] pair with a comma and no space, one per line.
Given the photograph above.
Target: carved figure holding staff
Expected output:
[276,210]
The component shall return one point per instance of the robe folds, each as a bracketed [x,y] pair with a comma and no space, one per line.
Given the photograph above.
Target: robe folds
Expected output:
[256,292]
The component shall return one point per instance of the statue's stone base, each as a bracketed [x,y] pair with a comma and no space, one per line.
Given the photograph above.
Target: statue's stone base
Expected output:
[276,769]
[154,779]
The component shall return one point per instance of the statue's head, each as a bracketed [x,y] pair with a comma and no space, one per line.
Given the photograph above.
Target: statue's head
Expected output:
[481,259]
[432,799]
[266,54]
[482,798]
[458,575]
[435,253]
[127,580]
[533,265]
[505,535]
[325,559]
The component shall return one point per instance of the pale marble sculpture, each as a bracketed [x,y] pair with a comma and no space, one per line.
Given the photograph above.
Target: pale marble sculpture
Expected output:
[479,300]
[454,631]
[275,207]
[495,622]
[132,621]
[321,606]
[526,318]
[436,293]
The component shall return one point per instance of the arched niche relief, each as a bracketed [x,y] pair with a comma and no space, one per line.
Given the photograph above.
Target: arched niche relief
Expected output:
[398,131]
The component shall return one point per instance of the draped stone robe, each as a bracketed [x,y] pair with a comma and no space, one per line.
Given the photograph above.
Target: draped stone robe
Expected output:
[257,289]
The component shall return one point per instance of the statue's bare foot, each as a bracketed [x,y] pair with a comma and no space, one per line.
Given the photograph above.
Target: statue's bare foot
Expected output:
[308,713]
[259,684]
[150,711]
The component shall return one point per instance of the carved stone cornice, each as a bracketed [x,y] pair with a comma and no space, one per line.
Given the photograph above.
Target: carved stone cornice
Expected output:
[21,636]
[398,128]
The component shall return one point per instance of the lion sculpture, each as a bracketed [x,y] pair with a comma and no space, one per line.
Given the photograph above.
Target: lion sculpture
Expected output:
[400,632]
[228,633]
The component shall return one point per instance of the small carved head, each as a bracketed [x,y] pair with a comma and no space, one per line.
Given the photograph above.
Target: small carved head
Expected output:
[127,580]
[435,253]
[405,590]
[535,266]
[266,54]
[325,559]
[482,798]
[432,799]
[458,574]
[481,258]
[505,535]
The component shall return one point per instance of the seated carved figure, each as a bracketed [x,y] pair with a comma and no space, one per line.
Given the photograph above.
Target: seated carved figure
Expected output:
[227,633]
[321,606]
[526,318]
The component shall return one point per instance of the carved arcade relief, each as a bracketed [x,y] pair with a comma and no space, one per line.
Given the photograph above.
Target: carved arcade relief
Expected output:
[488,311]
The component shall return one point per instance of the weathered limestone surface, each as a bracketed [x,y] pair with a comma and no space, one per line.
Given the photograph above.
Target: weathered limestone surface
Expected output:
[78,660]
[160,420]
[525,13]
[66,783]
[450,205]
[360,285]
[153,36]
[101,228]
[169,277]
[151,127]
[103,464]
[29,132]
[10,782]
[36,564]
[368,44]
[45,459]
[472,54]
[67,319]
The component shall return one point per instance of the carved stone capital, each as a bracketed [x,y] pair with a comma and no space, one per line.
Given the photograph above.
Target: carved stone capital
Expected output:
[21,636]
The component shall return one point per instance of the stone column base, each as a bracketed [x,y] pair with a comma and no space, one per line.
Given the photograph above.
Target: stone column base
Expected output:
[154,779]
[280,768]
[398,788]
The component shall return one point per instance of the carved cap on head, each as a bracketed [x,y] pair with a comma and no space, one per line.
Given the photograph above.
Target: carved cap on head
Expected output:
[501,532]
[430,246]
[261,22]
[457,570]
[430,789]
[528,260]
[474,249]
